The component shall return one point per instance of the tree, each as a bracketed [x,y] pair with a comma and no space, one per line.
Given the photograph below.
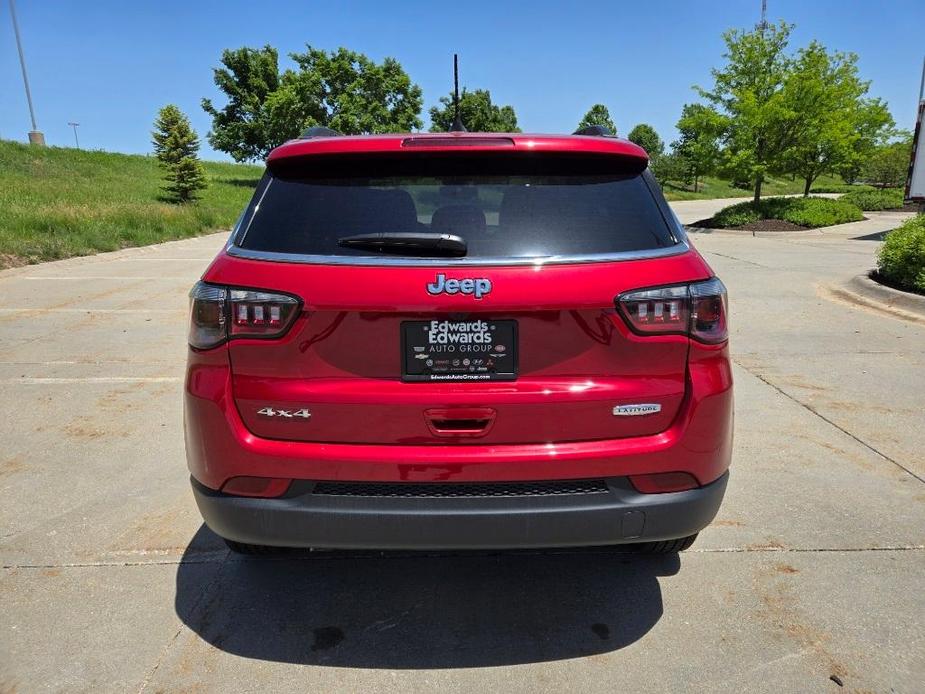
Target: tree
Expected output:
[346,91]
[645,136]
[698,148]
[241,128]
[598,115]
[888,165]
[669,167]
[341,89]
[749,91]
[831,120]
[477,113]
[874,127]
[176,147]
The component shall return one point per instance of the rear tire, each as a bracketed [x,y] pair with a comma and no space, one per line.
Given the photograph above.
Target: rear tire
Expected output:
[666,546]
[253,550]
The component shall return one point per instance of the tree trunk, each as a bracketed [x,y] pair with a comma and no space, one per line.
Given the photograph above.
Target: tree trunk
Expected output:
[696,178]
[758,181]
[809,184]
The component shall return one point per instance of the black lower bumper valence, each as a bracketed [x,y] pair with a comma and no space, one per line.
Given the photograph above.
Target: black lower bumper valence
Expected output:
[487,516]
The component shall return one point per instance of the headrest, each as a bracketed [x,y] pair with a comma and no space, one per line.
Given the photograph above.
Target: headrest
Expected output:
[460,220]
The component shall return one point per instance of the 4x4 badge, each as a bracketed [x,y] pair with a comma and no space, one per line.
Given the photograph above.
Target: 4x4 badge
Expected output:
[288,414]
[478,287]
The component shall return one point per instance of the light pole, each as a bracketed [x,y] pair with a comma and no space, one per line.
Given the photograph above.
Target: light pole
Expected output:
[75,126]
[35,137]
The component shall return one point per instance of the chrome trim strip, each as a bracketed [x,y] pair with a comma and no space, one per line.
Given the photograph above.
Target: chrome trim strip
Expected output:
[383,261]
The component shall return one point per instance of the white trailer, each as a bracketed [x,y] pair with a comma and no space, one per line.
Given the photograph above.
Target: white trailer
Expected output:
[915,182]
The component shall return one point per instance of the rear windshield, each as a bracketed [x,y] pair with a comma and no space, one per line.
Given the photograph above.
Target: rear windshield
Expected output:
[515,214]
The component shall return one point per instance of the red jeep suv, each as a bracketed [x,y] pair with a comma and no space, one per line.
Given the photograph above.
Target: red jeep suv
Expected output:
[458,341]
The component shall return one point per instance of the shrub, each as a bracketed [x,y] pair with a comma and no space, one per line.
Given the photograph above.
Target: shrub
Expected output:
[819,212]
[806,212]
[843,188]
[736,215]
[902,256]
[875,199]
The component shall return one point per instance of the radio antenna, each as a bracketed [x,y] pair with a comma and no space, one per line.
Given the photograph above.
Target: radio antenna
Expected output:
[457,126]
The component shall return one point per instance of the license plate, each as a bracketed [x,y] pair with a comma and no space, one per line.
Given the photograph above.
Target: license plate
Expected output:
[474,349]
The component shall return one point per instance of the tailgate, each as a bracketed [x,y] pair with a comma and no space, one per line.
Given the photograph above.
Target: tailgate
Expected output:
[576,360]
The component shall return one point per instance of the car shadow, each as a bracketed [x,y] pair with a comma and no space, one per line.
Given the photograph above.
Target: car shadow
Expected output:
[418,611]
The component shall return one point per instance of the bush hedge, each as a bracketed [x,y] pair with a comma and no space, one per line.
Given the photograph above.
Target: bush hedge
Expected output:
[885,199]
[806,212]
[902,256]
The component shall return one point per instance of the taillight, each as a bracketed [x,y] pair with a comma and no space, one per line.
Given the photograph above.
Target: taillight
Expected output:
[708,311]
[663,310]
[220,313]
[697,310]
[260,314]
[207,325]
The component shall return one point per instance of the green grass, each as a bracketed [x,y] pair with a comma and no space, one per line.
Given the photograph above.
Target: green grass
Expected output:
[902,256]
[60,202]
[806,212]
[711,187]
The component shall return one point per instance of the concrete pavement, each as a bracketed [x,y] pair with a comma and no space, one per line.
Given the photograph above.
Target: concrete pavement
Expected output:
[812,570]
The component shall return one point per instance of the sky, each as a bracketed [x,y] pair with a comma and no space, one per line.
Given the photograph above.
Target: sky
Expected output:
[111,65]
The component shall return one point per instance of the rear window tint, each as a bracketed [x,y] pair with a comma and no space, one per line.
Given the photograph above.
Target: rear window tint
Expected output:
[516,214]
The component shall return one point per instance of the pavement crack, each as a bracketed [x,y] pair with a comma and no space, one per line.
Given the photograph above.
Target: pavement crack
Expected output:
[205,591]
[117,564]
[741,260]
[811,409]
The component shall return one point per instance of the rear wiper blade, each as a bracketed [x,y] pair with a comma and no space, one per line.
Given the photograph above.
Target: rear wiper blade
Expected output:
[408,243]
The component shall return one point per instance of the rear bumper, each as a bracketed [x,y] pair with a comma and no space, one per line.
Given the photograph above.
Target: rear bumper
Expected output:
[305,519]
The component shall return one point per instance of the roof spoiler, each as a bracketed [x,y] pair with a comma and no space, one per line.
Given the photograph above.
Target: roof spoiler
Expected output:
[594,131]
[319,131]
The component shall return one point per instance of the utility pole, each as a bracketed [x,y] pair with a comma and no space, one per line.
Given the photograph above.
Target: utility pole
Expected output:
[75,126]
[35,137]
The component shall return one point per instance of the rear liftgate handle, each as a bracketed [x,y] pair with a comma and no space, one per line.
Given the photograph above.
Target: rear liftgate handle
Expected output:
[460,421]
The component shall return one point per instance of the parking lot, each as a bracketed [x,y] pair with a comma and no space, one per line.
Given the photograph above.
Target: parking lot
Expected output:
[811,576]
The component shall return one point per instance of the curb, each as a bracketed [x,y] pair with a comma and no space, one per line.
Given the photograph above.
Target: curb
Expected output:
[861,289]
